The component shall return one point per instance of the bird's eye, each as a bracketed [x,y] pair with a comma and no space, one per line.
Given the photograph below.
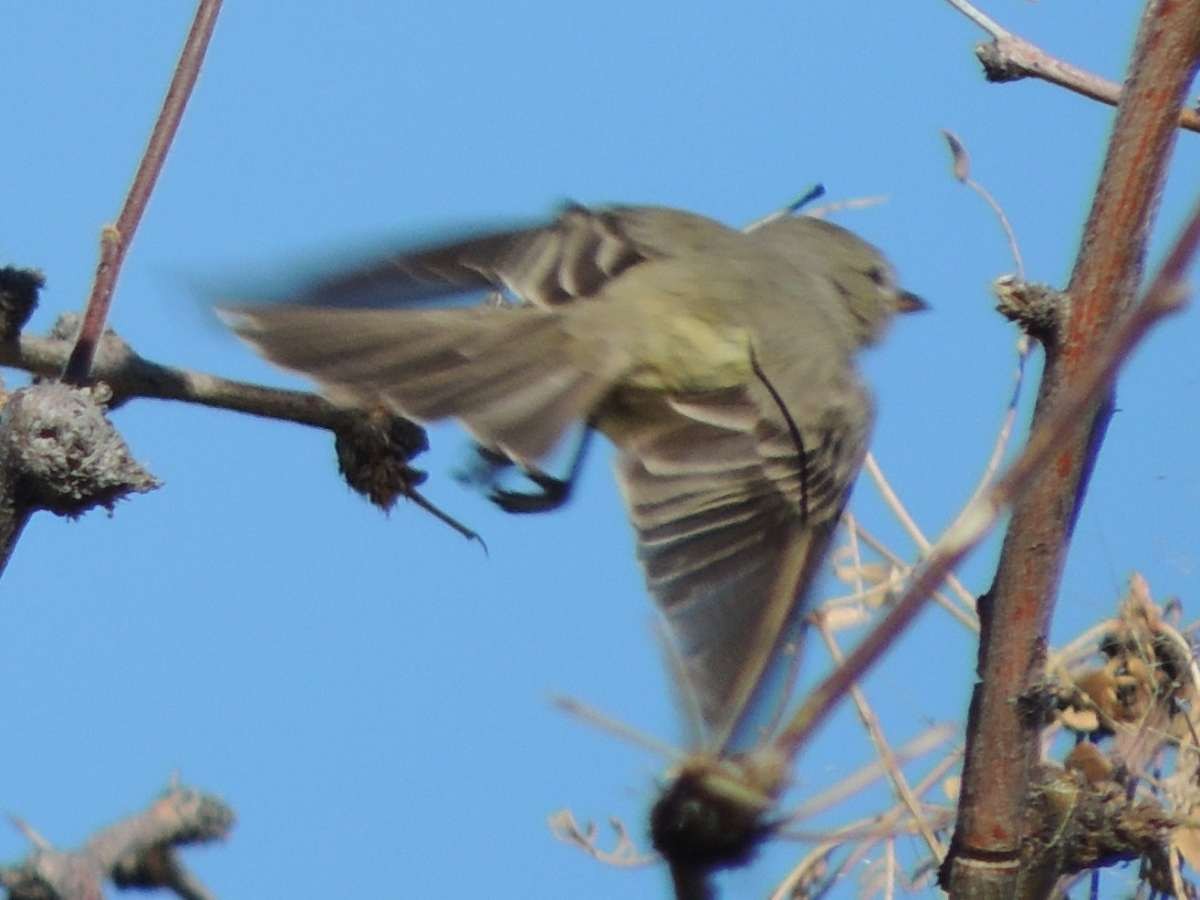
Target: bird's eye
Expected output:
[878,275]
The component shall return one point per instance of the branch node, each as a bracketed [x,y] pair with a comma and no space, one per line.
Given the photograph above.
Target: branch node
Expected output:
[1081,824]
[62,454]
[1038,704]
[109,354]
[1039,309]
[998,64]
[373,450]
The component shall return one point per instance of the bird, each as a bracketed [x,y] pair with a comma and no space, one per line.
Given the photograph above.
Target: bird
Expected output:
[720,362]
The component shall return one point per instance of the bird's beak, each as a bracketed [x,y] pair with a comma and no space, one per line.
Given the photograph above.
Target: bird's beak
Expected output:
[907,302]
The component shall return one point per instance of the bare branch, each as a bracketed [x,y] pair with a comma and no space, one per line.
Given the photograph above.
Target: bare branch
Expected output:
[963,614]
[962,172]
[1073,407]
[374,446]
[1009,57]
[883,749]
[139,851]
[909,524]
[874,829]
[926,742]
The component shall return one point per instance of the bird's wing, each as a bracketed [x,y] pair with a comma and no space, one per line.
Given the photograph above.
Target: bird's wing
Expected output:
[508,374]
[735,499]
[572,257]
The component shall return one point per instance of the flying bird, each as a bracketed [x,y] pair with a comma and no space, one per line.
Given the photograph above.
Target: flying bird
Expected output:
[719,362]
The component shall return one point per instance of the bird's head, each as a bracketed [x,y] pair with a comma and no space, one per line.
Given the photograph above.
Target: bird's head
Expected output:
[863,279]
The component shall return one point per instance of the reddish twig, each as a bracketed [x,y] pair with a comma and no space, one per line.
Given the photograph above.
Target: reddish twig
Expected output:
[115,239]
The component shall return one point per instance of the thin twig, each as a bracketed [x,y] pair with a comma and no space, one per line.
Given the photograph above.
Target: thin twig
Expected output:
[615,727]
[445,518]
[876,827]
[851,203]
[115,239]
[30,833]
[889,889]
[962,172]
[855,555]
[1004,434]
[1010,57]
[991,26]
[867,775]
[909,524]
[873,829]
[792,207]
[883,750]
[967,617]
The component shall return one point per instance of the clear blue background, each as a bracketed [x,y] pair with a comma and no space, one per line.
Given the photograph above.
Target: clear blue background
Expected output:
[368,691]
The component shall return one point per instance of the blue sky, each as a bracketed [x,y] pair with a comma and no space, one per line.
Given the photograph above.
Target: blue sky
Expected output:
[371,692]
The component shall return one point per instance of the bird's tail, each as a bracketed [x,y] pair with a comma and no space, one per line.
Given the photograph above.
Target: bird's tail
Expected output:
[507,374]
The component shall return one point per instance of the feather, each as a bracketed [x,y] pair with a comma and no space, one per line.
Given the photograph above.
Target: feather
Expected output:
[506,373]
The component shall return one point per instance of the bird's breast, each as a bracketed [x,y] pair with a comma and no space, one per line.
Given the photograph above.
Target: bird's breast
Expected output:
[686,353]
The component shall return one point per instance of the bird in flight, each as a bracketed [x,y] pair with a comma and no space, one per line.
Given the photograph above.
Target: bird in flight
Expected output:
[719,362]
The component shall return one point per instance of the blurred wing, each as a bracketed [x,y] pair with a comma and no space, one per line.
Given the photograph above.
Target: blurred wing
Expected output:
[734,510]
[507,374]
[572,257]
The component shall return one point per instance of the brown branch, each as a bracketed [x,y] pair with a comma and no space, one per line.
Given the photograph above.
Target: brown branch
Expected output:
[131,376]
[1010,57]
[115,239]
[374,447]
[1073,407]
[139,851]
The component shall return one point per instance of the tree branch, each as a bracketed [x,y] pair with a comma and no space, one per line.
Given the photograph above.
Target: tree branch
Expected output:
[374,447]
[1010,57]
[1002,748]
[137,852]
